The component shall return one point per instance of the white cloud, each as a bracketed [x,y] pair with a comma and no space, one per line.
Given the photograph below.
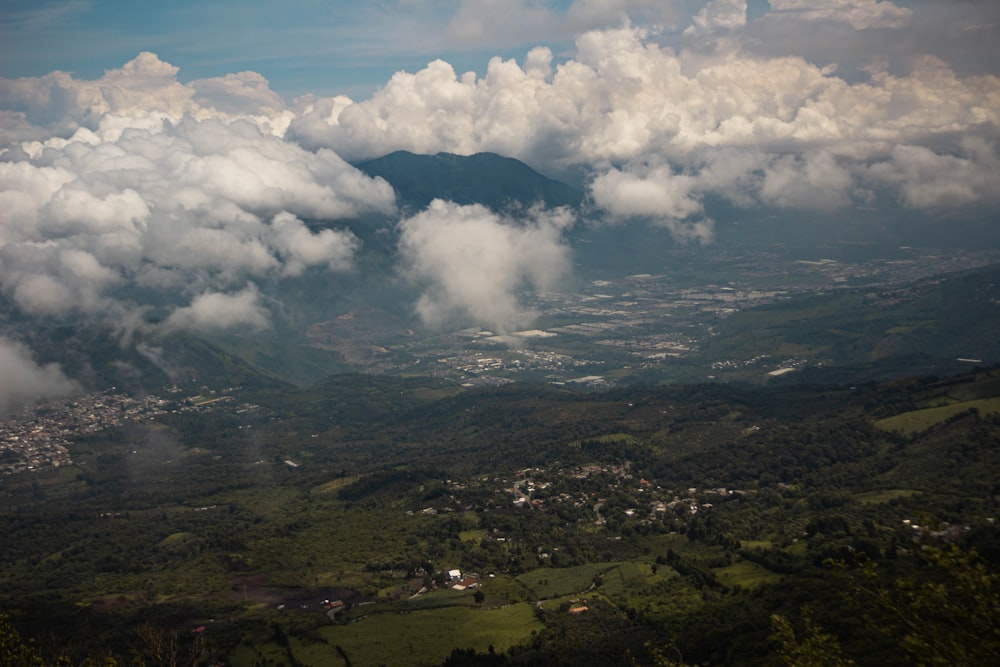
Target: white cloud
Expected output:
[502,24]
[718,15]
[928,180]
[161,191]
[814,180]
[860,14]
[625,98]
[647,192]
[300,248]
[474,264]
[213,311]
[657,194]
[674,198]
[22,380]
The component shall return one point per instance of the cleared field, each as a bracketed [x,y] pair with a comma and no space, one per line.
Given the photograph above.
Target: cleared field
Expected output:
[746,574]
[426,637]
[472,535]
[632,577]
[882,496]
[918,421]
[547,582]
[334,485]
[176,538]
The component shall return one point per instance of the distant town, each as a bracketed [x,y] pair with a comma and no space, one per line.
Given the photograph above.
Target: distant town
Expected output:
[605,328]
[38,436]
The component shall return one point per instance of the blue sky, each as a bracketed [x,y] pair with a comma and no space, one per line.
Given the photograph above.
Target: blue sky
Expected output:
[299,45]
[331,46]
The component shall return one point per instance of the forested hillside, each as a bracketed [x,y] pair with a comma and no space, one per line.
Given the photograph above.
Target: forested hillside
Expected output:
[710,524]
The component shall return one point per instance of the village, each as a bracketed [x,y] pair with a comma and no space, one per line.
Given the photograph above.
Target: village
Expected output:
[38,436]
[603,497]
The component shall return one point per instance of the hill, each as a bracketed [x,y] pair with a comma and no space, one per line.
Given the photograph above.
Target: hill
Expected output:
[489,179]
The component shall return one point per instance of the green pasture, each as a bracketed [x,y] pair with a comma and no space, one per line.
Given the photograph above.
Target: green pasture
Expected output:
[632,577]
[473,536]
[985,385]
[918,421]
[547,582]
[334,485]
[746,574]
[176,538]
[425,637]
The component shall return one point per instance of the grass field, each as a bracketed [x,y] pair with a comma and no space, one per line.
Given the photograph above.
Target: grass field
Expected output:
[746,574]
[918,421]
[425,637]
[547,582]
[633,577]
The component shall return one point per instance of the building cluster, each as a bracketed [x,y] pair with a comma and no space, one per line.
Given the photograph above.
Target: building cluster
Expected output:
[39,436]
[596,494]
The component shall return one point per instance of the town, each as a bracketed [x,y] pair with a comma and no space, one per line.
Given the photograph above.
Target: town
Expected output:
[609,328]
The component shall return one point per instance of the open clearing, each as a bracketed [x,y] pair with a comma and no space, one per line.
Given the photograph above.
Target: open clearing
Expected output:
[918,421]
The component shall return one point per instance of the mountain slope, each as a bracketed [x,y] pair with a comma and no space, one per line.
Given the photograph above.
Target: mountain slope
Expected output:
[940,319]
[489,179]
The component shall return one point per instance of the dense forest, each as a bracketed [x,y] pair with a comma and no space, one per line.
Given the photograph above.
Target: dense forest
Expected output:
[701,524]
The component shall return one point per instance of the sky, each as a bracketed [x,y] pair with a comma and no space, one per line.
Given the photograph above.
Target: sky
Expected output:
[174,150]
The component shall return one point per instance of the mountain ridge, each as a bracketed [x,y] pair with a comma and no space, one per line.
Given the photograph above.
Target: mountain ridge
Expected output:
[490,179]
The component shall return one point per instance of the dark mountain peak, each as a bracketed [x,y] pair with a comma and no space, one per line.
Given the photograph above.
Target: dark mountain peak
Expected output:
[492,180]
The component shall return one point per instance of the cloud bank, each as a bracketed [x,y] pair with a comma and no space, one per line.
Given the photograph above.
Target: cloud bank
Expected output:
[802,135]
[139,181]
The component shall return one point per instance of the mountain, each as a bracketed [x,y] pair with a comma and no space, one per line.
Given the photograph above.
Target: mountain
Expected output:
[489,179]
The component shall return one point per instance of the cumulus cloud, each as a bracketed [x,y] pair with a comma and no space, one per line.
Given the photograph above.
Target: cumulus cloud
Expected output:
[216,311]
[656,193]
[625,99]
[300,248]
[674,198]
[928,180]
[474,264]
[650,192]
[143,92]
[183,189]
[22,380]
[814,180]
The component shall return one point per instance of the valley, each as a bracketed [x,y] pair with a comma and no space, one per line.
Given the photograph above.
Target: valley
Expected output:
[674,325]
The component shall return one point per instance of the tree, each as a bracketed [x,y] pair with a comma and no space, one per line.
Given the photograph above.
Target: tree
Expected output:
[812,649]
[13,651]
[949,614]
